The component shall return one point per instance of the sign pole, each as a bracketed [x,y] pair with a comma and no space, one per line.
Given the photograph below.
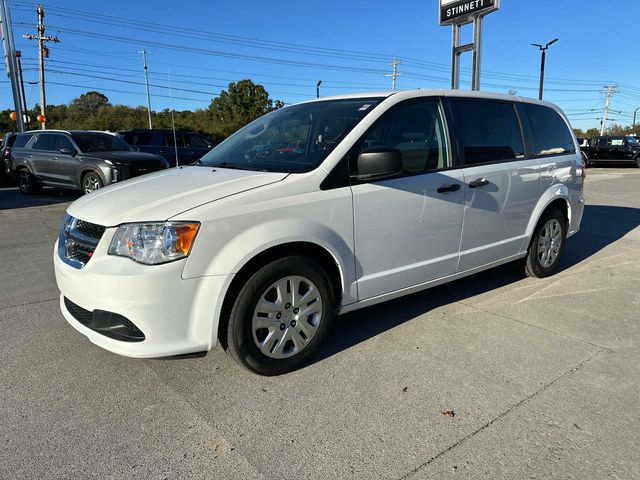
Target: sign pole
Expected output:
[477,48]
[462,12]
[455,57]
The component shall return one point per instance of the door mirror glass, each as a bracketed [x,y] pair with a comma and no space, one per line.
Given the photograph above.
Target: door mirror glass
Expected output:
[67,151]
[378,162]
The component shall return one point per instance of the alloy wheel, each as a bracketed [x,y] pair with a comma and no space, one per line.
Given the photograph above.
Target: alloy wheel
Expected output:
[549,243]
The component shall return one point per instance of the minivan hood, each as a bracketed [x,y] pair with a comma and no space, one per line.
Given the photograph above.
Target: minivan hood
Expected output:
[162,195]
[125,158]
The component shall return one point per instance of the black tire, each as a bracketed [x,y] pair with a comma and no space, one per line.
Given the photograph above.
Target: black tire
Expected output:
[27,182]
[535,265]
[243,336]
[637,162]
[91,182]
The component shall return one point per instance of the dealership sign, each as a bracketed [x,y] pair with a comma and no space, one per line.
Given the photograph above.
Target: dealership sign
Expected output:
[458,12]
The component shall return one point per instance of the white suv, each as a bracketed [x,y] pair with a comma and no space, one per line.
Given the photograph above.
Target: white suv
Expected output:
[319,209]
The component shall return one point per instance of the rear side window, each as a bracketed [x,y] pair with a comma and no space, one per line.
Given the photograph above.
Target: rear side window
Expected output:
[488,131]
[43,142]
[21,140]
[168,140]
[136,138]
[550,133]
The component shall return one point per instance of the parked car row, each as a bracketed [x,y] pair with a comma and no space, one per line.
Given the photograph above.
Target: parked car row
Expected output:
[610,149]
[75,159]
[89,160]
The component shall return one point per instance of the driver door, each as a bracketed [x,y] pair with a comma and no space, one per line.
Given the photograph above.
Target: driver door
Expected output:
[408,227]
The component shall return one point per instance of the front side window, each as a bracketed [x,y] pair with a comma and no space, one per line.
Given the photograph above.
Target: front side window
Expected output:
[61,142]
[294,139]
[617,142]
[100,142]
[488,131]
[551,135]
[416,130]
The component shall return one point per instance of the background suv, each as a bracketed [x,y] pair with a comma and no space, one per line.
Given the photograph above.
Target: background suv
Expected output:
[81,160]
[189,146]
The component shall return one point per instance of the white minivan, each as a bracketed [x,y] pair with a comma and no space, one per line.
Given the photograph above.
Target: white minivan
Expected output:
[315,210]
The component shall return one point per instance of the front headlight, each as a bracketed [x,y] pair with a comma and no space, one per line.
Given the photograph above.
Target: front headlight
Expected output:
[154,243]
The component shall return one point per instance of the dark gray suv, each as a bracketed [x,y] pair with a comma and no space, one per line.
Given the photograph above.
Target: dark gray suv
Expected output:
[76,159]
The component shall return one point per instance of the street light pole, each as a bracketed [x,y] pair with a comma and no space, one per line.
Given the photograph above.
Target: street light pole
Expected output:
[634,117]
[318,83]
[544,51]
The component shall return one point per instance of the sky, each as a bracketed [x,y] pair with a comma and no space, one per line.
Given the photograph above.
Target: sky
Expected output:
[197,48]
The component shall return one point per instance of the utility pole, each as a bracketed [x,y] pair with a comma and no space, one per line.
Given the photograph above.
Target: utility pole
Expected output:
[9,53]
[43,52]
[395,73]
[24,97]
[609,91]
[146,81]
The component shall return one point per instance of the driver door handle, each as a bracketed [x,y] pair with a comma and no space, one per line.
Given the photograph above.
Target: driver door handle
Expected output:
[479,182]
[449,188]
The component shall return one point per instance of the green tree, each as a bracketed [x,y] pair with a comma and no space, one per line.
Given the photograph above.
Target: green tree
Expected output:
[242,103]
[89,103]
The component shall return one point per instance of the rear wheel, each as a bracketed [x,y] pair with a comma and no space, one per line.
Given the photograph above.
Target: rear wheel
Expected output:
[637,162]
[90,182]
[281,316]
[27,182]
[547,245]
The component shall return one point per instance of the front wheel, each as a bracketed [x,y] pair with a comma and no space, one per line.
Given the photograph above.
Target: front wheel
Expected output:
[281,316]
[90,183]
[547,245]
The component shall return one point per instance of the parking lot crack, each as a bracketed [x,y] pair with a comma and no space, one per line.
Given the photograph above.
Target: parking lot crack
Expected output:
[569,337]
[28,303]
[545,387]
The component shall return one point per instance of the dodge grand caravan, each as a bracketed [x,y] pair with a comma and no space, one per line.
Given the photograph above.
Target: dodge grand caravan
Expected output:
[259,248]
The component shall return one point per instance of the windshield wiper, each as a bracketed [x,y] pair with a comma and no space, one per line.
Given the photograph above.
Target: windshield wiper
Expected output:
[231,166]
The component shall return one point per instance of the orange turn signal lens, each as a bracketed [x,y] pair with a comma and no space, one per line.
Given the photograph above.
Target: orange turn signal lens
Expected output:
[185,233]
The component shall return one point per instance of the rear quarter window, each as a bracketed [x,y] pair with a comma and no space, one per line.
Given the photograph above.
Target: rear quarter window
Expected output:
[21,140]
[549,132]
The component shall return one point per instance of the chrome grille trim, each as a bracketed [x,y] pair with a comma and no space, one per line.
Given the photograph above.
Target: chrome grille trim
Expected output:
[78,240]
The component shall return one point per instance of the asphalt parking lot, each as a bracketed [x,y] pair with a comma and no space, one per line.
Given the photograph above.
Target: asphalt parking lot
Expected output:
[543,376]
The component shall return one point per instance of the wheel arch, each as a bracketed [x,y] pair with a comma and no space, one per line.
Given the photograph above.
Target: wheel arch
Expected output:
[90,169]
[555,197]
[318,253]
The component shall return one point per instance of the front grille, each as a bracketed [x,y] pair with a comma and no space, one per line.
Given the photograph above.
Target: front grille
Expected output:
[78,240]
[90,229]
[109,324]
[78,252]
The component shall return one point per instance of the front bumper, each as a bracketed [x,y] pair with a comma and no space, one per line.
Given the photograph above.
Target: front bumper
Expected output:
[177,316]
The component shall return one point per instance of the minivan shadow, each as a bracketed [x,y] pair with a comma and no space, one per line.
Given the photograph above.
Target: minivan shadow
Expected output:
[601,226]
[11,198]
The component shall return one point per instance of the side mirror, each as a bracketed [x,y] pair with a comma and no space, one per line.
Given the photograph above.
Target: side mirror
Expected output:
[68,151]
[378,162]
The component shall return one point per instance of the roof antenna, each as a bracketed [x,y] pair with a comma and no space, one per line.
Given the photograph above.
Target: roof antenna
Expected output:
[173,121]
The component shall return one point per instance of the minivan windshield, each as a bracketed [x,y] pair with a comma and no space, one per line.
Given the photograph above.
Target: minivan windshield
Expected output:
[100,142]
[294,139]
